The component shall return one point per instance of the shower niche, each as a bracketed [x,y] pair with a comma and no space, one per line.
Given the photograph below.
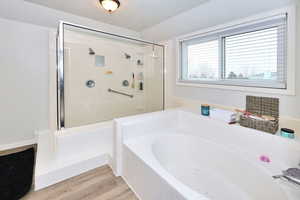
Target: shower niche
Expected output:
[125,75]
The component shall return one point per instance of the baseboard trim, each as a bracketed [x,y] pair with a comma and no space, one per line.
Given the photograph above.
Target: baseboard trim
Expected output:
[18,144]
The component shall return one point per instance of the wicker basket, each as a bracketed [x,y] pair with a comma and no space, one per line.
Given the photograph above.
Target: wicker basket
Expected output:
[262,106]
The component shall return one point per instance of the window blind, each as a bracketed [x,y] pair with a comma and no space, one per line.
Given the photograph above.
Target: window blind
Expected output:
[203,61]
[250,55]
[257,55]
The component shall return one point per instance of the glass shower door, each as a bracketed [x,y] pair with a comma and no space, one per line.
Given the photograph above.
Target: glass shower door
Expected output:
[108,76]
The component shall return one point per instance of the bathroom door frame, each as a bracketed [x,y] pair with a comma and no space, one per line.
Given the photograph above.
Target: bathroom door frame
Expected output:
[60,75]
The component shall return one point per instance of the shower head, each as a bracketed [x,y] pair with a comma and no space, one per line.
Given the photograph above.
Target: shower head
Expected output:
[91,51]
[153,55]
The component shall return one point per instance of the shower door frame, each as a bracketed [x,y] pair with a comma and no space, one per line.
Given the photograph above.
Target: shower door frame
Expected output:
[60,75]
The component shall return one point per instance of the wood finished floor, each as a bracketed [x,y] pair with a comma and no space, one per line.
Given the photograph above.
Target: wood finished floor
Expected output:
[97,184]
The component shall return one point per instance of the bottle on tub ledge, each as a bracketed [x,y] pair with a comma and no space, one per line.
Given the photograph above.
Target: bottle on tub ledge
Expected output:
[219,114]
[287,133]
[205,109]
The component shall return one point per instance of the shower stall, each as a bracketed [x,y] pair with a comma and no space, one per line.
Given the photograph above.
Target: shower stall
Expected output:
[102,76]
[97,77]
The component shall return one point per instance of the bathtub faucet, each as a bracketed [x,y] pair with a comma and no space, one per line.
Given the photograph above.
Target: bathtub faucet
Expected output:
[292,175]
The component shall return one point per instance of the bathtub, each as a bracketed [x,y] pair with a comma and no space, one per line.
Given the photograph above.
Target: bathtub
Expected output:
[176,154]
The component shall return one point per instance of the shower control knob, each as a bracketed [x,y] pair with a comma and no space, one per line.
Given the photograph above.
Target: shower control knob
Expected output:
[90,83]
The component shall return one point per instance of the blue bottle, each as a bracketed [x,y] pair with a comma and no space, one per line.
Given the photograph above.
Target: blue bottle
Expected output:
[205,109]
[287,133]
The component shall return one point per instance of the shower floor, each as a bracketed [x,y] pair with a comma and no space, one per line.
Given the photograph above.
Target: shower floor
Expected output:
[100,184]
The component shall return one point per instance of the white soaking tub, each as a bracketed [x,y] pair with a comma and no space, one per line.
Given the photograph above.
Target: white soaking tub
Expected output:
[179,155]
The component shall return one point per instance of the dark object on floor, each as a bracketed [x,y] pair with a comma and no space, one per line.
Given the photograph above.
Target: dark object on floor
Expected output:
[16,172]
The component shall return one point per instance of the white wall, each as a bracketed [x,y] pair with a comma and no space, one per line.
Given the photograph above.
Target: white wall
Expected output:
[289,105]
[24,58]
[24,51]
[23,80]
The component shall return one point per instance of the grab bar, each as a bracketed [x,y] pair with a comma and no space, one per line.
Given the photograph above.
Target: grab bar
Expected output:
[121,93]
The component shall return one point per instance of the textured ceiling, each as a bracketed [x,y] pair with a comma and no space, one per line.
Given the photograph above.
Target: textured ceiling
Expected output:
[133,14]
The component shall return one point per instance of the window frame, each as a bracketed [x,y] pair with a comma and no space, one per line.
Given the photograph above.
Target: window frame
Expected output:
[238,27]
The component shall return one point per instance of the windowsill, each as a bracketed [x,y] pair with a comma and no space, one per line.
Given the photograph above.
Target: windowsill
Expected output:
[238,88]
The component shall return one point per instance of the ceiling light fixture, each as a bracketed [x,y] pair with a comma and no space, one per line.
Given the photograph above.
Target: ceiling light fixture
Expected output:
[110,5]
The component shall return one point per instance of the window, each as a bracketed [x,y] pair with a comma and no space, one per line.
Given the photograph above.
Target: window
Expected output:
[249,55]
[203,61]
